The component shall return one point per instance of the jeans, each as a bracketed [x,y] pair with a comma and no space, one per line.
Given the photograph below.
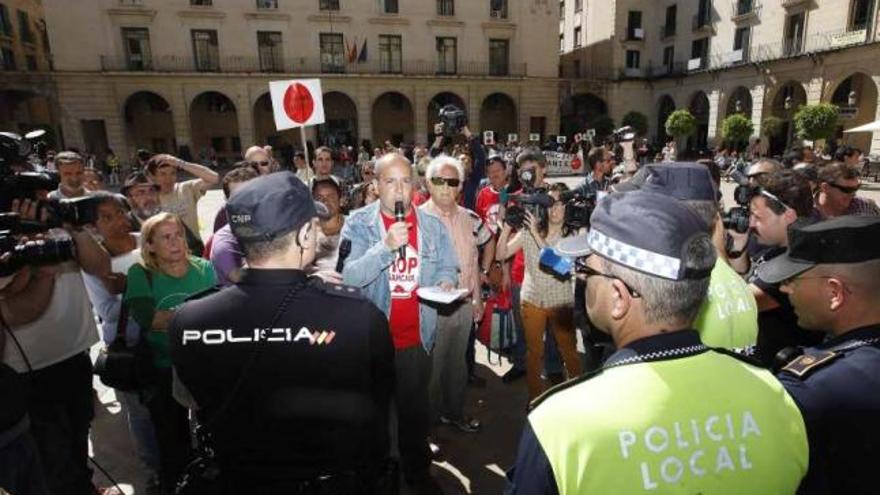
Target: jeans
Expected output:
[140,427]
[535,320]
[20,469]
[412,367]
[171,424]
[552,359]
[448,366]
[61,410]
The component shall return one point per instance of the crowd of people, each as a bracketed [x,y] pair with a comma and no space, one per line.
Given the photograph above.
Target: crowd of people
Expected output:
[336,305]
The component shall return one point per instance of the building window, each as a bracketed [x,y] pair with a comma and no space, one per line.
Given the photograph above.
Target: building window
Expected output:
[7,59]
[31,62]
[328,5]
[5,22]
[578,40]
[447,55]
[669,26]
[633,59]
[700,50]
[445,7]
[562,9]
[202,3]
[267,4]
[498,9]
[668,57]
[332,53]
[743,7]
[205,50]
[561,42]
[137,48]
[634,25]
[390,54]
[741,41]
[270,50]
[794,34]
[577,69]
[499,57]
[24,27]
[391,7]
[578,5]
[860,14]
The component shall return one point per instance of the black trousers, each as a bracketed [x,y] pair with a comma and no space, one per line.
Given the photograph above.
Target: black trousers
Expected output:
[413,369]
[171,423]
[61,409]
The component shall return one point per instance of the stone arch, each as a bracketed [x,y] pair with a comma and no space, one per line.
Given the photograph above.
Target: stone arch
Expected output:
[498,113]
[578,112]
[437,102]
[214,128]
[856,96]
[149,123]
[739,101]
[787,99]
[699,108]
[392,118]
[341,120]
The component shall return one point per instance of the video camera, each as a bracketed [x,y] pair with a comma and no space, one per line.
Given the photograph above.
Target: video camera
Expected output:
[578,209]
[14,151]
[737,217]
[624,134]
[33,252]
[453,120]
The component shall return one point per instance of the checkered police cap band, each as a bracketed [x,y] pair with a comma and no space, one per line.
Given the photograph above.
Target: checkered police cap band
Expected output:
[634,257]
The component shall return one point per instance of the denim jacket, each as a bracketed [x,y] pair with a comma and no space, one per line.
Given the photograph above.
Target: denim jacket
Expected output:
[368,263]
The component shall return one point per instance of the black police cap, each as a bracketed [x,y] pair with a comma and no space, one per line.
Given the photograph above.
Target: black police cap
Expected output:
[683,181]
[845,239]
[271,206]
[642,230]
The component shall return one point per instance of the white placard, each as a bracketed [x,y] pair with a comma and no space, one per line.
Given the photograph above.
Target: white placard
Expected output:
[534,137]
[561,139]
[488,138]
[297,103]
[512,138]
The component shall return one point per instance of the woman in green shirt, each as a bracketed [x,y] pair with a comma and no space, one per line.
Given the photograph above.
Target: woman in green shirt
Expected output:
[167,277]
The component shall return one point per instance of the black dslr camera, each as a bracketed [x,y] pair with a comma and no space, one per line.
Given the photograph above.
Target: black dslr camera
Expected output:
[536,203]
[34,252]
[453,120]
[578,209]
[737,218]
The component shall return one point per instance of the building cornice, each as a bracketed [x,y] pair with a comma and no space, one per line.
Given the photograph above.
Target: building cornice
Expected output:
[202,14]
[342,19]
[145,15]
[267,16]
[445,23]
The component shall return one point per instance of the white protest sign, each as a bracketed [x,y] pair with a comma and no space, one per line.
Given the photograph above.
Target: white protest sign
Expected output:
[512,138]
[561,139]
[488,138]
[297,103]
[534,137]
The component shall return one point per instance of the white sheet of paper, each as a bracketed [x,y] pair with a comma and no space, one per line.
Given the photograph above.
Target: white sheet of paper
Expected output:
[436,294]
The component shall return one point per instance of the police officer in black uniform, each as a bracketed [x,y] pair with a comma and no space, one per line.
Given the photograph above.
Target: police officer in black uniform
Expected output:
[831,274]
[290,376]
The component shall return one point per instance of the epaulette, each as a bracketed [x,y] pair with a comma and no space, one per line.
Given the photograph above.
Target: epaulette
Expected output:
[739,356]
[804,365]
[204,293]
[338,290]
[537,401]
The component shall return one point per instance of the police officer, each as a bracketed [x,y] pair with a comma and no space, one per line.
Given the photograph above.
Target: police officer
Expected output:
[291,377]
[831,274]
[665,414]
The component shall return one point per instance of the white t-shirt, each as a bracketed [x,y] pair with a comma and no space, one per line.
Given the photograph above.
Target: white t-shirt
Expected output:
[65,329]
[107,305]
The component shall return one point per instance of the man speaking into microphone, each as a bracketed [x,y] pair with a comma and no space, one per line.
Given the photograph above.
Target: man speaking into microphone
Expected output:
[395,249]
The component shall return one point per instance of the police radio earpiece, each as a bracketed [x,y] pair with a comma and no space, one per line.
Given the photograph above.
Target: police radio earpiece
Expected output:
[399,216]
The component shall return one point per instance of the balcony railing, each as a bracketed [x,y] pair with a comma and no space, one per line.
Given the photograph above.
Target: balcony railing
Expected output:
[745,8]
[667,31]
[702,21]
[306,65]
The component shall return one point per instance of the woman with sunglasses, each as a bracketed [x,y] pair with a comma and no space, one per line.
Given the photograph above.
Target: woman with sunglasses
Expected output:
[545,298]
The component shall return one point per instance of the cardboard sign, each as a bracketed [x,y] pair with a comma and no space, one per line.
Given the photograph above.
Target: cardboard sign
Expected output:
[488,138]
[297,103]
[512,138]
[535,137]
[561,139]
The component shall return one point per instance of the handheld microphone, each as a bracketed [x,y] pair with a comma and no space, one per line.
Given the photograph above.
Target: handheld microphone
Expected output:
[344,251]
[399,216]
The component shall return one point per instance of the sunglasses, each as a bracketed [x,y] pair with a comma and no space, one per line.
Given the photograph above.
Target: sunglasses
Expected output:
[584,272]
[261,164]
[845,189]
[439,181]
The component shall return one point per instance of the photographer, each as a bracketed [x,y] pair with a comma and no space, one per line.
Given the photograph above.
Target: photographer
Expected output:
[54,352]
[783,199]
[544,297]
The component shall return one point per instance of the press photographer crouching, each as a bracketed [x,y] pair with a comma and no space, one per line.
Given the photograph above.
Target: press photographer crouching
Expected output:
[49,348]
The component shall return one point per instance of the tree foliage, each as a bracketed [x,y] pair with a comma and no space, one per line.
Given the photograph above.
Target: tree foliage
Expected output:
[736,129]
[637,121]
[681,123]
[772,126]
[815,122]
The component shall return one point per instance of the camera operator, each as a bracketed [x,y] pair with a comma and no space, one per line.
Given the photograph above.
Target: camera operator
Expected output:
[783,198]
[71,169]
[54,351]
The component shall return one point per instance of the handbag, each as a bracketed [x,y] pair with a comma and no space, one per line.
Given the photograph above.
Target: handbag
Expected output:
[124,367]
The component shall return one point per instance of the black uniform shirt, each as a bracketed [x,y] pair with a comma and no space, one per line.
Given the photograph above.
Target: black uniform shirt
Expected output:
[836,385]
[316,398]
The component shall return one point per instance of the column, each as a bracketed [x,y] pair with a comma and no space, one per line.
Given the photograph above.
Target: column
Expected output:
[244,111]
[814,91]
[420,113]
[473,109]
[757,93]
[714,133]
[180,101]
[364,104]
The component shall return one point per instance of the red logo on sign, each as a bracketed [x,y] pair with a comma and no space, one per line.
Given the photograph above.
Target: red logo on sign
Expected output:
[298,103]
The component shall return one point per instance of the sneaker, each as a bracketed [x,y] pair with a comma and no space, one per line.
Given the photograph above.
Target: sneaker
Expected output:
[465,424]
[513,375]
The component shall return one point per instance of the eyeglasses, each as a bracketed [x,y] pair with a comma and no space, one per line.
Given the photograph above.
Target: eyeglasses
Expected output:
[845,189]
[439,181]
[584,272]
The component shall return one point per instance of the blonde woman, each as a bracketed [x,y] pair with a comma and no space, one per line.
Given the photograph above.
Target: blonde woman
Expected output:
[156,287]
